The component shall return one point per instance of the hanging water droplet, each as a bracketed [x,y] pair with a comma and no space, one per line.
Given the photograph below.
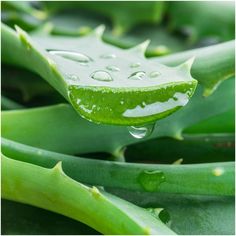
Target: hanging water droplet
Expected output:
[74,56]
[155,74]
[108,56]
[101,76]
[135,65]
[137,75]
[142,131]
[113,68]
[151,180]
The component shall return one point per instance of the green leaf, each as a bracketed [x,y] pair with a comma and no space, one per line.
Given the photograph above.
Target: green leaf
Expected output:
[209,179]
[189,214]
[22,219]
[80,136]
[194,148]
[203,19]
[118,12]
[211,66]
[53,190]
[102,82]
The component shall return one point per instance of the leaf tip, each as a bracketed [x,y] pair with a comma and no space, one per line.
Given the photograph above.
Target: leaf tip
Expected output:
[95,192]
[188,64]
[146,230]
[58,167]
[23,36]
[99,31]
[141,48]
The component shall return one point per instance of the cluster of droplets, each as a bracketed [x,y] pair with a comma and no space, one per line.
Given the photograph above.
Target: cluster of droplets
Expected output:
[101,75]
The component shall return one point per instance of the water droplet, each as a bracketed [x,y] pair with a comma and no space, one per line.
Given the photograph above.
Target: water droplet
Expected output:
[135,65]
[101,76]
[74,56]
[141,131]
[137,75]
[151,180]
[113,68]
[108,56]
[155,74]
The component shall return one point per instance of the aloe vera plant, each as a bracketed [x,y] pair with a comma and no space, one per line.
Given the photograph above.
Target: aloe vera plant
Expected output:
[102,138]
[69,71]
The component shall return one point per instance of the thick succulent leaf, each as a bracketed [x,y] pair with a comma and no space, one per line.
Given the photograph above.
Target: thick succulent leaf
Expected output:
[77,22]
[222,123]
[102,82]
[208,68]
[203,19]
[22,219]
[118,12]
[189,214]
[53,190]
[75,133]
[194,148]
[209,179]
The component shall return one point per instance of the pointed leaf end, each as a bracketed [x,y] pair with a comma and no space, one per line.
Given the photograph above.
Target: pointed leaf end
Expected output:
[23,37]
[58,168]
[99,31]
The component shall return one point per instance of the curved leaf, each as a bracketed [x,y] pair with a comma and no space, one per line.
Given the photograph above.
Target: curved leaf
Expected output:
[53,190]
[103,83]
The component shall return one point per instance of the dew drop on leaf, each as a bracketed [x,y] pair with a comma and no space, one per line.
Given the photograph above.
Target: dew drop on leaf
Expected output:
[151,180]
[74,56]
[141,131]
[113,68]
[139,75]
[135,65]
[101,76]
[155,74]
[108,56]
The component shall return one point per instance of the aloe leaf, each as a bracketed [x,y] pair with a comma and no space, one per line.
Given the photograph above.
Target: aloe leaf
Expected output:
[22,219]
[118,12]
[84,76]
[75,133]
[208,68]
[194,148]
[59,193]
[213,179]
[189,214]
[211,125]
[217,16]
